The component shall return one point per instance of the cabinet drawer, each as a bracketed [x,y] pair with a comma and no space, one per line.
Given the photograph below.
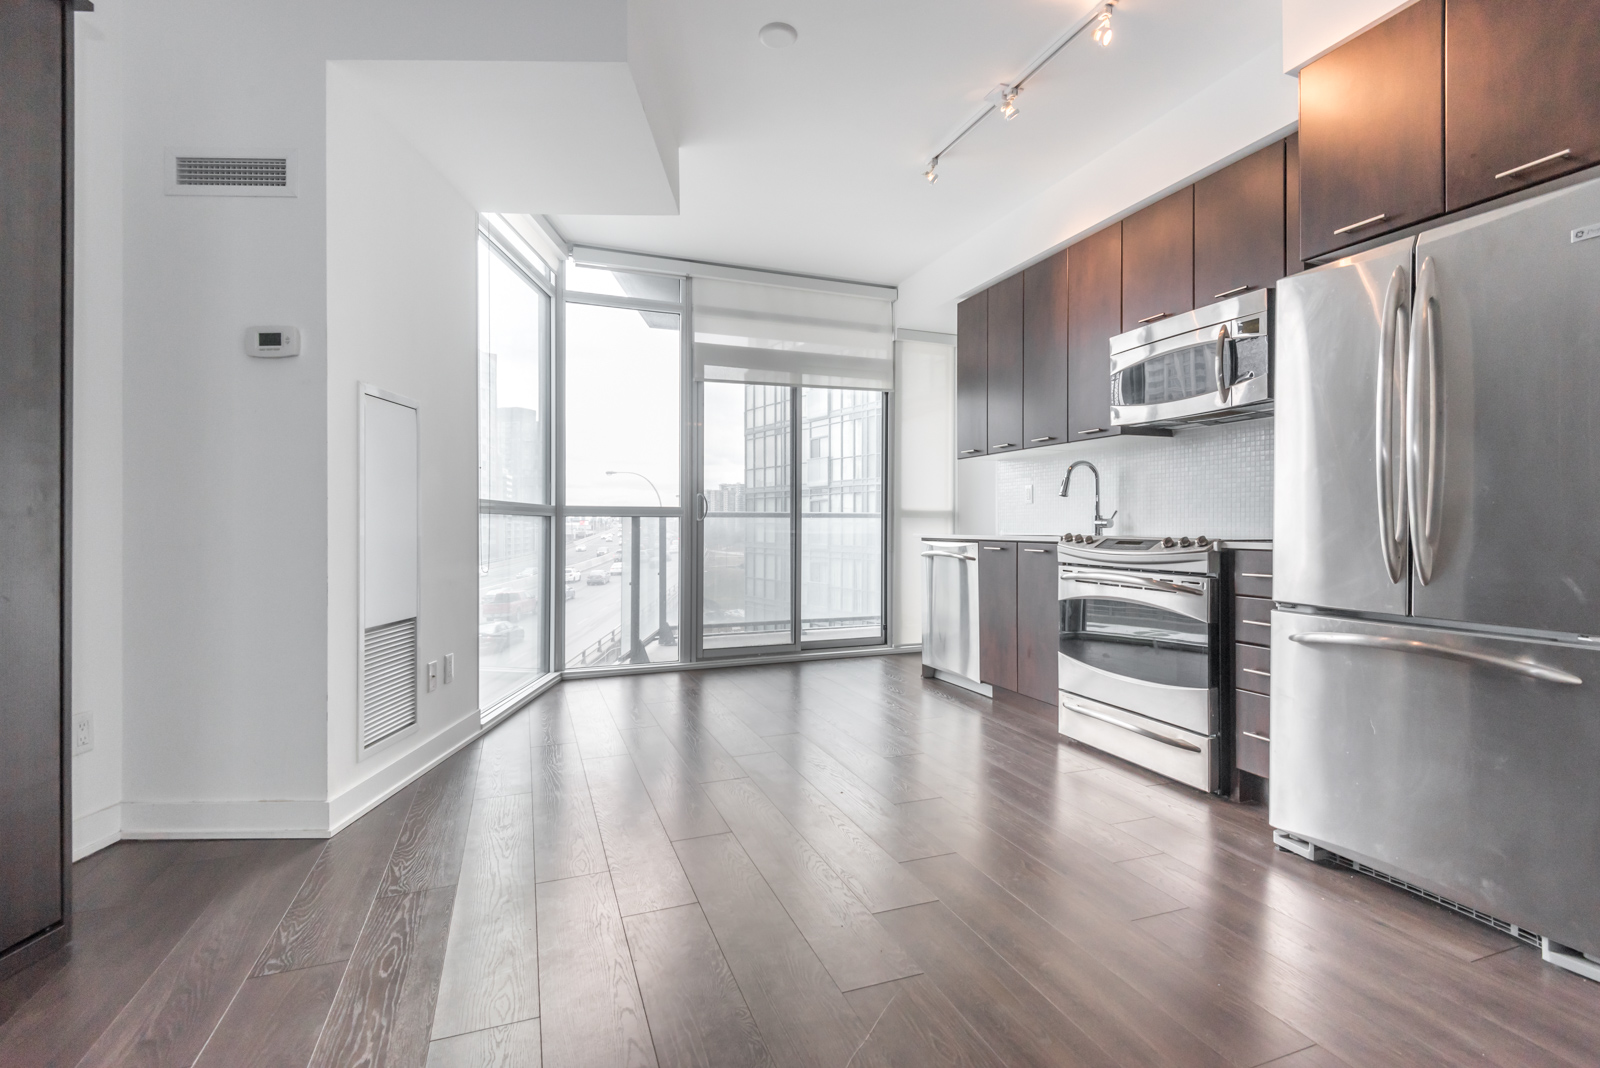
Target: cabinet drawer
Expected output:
[1254,712]
[1252,620]
[1253,755]
[1253,669]
[1252,573]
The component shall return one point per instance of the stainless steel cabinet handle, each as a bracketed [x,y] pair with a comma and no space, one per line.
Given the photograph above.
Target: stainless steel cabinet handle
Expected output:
[1246,622]
[1252,574]
[1115,722]
[1257,737]
[1532,163]
[1153,318]
[1096,430]
[1036,550]
[1229,292]
[1392,522]
[953,556]
[1222,365]
[1004,445]
[1047,437]
[994,548]
[1529,668]
[969,452]
[1131,582]
[1382,215]
[1257,671]
[1424,423]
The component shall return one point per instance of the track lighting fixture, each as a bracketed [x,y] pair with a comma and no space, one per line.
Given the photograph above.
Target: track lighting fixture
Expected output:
[1008,103]
[1102,30]
[932,174]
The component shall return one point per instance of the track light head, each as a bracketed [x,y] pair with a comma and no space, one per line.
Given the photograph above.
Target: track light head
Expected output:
[932,173]
[1008,104]
[1102,29]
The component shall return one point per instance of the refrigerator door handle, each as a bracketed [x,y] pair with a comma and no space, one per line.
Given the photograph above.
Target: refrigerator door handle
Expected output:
[1392,521]
[1528,668]
[1425,423]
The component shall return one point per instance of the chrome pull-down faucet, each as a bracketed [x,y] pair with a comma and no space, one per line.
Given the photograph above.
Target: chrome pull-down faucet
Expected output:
[1101,522]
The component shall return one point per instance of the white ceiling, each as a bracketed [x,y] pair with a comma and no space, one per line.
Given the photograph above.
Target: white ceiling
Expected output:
[809,158]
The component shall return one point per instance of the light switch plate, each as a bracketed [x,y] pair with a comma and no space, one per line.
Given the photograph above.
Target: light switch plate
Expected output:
[449,668]
[1030,493]
[433,675]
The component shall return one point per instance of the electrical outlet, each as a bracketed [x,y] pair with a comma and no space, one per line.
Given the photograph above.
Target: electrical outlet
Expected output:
[449,668]
[82,733]
[433,675]
[1030,493]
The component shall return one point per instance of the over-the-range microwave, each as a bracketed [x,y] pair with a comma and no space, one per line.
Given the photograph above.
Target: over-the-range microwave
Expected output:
[1210,365]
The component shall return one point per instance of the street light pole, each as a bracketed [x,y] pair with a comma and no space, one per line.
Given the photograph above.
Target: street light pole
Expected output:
[646,478]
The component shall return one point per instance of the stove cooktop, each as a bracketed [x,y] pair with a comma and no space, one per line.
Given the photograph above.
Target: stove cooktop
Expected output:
[1107,543]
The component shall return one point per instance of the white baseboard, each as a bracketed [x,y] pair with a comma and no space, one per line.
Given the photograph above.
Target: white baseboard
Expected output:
[224,819]
[385,782]
[94,831]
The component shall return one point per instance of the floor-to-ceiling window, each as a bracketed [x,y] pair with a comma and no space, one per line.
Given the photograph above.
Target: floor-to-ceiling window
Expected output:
[623,419]
[515,505]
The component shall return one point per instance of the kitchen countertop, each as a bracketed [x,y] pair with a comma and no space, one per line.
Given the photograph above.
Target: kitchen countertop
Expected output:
[992,537]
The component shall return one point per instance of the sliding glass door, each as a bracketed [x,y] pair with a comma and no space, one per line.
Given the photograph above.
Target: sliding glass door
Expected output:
[761,448]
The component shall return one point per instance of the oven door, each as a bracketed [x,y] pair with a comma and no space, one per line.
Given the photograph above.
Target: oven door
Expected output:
[1141,642]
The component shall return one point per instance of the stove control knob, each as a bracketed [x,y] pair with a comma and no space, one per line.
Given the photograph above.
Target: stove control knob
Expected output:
[1185,542]
[1202,541]
[1167,543]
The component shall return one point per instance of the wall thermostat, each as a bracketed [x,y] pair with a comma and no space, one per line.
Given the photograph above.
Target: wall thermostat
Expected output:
[272,341]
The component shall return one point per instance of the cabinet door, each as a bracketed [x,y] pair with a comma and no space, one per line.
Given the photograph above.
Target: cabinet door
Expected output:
[1293,262]
[972,375]
[997,613]
[1005,365]
[1044,352]
[1158,259]
[1521,83]
[1372,132]
[1094,316]
[1238,227]
[1038,622]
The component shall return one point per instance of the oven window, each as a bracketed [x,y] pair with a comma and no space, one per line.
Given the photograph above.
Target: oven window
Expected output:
[1136,641]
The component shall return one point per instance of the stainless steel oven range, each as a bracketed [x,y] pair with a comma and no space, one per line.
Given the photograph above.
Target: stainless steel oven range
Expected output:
[1137,660]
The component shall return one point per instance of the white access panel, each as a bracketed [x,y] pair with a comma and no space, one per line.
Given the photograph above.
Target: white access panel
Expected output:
[389,519]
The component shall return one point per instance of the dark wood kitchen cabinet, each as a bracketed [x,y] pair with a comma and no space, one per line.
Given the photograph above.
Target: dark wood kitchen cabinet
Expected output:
[1372,131]
[1248,648]
[1521,84]
[1038,621]
[997,613]
[1005,364]
[1044,352]
[1094,317]
[1293,261]
[972,375]
[1239,226]
[1158,260]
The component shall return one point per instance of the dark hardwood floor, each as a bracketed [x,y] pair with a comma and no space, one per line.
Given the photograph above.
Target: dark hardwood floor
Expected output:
[822,865]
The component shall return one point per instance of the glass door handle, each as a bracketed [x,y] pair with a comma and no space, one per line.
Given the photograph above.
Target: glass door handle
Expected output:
[702,506]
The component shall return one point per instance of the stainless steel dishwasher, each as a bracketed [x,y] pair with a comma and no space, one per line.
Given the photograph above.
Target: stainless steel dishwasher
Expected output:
[950,612]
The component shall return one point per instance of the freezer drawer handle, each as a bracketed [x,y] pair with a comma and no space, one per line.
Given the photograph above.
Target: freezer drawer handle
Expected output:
[953,556]
[1407,645]
[1115,722]
[1532,163]
[1131,582]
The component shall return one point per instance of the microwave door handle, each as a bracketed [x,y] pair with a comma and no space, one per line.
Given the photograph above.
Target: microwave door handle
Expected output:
[1392,522]
[1425,424]
[1224,378]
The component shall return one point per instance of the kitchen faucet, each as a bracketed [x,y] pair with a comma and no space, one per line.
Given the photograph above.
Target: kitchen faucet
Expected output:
[1100,522]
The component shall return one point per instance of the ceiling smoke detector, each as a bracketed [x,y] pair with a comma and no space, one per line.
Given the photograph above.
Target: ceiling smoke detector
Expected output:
[778,35]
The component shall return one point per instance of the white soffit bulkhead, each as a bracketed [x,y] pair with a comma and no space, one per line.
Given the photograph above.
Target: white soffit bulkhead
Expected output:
[534,137]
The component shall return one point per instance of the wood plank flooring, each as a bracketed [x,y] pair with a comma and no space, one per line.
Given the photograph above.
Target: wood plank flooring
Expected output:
[829,865]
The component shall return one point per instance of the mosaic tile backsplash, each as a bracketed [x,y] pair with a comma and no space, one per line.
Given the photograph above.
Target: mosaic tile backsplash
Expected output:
[1214,480]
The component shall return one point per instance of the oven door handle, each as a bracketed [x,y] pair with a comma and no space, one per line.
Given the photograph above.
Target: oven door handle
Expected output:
[1134,582]
[1094,713]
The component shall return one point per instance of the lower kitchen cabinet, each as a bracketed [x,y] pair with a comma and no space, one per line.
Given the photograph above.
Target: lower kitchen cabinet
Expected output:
[997,613]
[1038,622]
[1249,644]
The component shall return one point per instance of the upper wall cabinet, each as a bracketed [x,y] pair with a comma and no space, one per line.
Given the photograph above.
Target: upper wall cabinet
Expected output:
[1158,260]
[1044,352]
[1005,364]
[1522,94]
[972,375]
[1372,130]
[1293,261]
[1094,317]
[1239,227]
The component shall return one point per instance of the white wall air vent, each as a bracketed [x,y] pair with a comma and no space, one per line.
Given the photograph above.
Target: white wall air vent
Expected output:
[211,174]
[390,559]
[388,681]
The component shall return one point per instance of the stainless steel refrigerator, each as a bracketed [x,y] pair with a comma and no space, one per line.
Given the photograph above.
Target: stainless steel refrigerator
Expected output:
[1436,644]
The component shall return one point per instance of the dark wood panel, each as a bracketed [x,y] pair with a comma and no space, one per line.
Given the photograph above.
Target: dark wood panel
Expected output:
[592,724]
[592,1012]
[839,929]
[34,323]
[1239,226]
[804,1019]
[1521,83]
[1252,620]
[645,872]
[428,852]
[275,1020]
[1293,260]
[1005,364]
[680,801]
[505,765]
[1253,754]
[690,733]
[997,613]
[512,1046]
[1254,712]
[698,1017]
[1038,622]
[1094,317]
[1253,668]
[1045,377]
[566,838]
[919,1026]
[1372,132]
[972,375]
[1158,259]
[324,919]
[1257,561]
[491,962]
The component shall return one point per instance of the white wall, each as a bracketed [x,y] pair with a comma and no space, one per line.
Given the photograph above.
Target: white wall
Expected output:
[925,424]
[402,315]
[1313,28]
[97,428]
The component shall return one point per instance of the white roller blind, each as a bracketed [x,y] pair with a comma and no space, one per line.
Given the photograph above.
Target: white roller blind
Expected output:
[750,332]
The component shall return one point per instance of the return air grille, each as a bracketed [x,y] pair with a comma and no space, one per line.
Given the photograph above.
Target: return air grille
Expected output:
[232,171]
[388,681]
